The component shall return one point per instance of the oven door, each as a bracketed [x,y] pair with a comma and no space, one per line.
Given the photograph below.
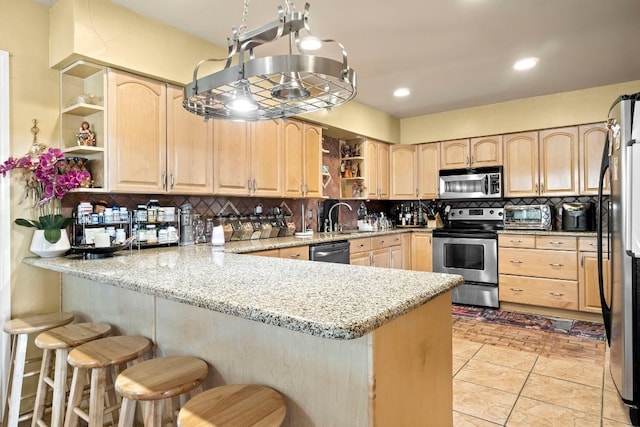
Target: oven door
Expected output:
[474,256]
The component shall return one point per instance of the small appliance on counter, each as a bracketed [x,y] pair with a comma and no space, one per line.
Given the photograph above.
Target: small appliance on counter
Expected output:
[528,217]
[577,216]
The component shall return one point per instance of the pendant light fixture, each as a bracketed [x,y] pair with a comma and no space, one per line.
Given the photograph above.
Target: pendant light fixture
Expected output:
[270,87]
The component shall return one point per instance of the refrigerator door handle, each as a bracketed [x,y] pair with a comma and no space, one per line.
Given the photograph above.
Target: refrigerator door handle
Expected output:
[606,309]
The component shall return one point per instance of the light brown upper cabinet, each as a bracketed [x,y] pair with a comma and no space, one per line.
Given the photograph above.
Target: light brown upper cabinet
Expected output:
[247,158]
[541,163]
[302,159]
[376,170]
[471,153]
[404,172]
[189,148]
[428,170]
[592,139]
[137,122]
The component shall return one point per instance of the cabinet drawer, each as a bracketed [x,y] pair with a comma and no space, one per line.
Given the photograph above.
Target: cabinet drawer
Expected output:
[360,245]
[516,241]
[383,242]
[538,263]
[556,242]
[543,292]
[590,244]
[296,252]
[275,253]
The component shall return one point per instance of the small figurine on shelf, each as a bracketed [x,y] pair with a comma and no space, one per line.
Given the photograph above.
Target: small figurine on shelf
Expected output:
[356,151]
[346,150]
[357,189]
[86,136]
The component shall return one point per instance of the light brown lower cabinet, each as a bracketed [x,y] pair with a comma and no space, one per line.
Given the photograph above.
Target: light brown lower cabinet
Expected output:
[534,271]
[381,251]
[589,288]
[296,252]
[421,253]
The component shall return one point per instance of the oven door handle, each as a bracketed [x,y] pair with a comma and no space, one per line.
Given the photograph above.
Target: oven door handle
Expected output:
[466,235]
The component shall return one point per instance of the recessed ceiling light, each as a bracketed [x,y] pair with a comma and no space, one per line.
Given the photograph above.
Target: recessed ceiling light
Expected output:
[525,64]
[403,91]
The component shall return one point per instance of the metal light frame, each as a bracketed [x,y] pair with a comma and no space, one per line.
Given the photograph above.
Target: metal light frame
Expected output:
[272,86]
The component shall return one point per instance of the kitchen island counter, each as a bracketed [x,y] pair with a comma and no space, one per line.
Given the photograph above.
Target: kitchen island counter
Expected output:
[345,345]
[323,299]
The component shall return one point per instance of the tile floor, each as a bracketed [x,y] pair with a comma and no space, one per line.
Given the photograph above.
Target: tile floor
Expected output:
[512,376]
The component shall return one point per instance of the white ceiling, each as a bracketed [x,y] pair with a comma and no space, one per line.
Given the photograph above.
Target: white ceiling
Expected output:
[451,53]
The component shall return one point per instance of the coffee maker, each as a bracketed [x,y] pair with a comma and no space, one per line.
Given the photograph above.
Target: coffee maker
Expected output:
[577,216]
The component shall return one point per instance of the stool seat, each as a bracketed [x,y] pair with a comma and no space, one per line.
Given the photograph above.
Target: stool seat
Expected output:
[247,405]
[19,329]
[72,335]
[37,323]
[57,343]
[108,351]
[161,378]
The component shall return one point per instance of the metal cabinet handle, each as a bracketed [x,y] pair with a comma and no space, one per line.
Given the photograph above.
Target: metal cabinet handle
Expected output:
[556,265]
[249,186]
[556,294]
[255,186]
[372,260]
[468,160]
[164,181]
[382,242]
[536,188]
[294,256]
[472,160]
[516,289]
[556,243]
[593,244]
[515,241]
[361,245]
[514,261]
[541,188]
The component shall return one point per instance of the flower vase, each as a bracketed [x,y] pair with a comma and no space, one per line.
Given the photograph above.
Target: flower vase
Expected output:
[41,247]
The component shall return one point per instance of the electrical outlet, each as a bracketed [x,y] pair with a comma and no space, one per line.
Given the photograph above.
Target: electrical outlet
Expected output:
[310,214]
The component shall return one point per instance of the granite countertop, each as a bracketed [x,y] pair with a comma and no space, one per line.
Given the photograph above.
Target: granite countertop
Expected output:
[327,300]
[244,246]
[551,233]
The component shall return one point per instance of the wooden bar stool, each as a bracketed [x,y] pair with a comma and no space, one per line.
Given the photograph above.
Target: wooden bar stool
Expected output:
[19,329]
[246,405]
[101,358]
[153,381]
[56,344]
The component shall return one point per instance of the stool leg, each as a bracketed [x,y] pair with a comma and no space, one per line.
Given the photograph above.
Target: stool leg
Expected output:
[75,396]
[127,412]
[152,413]
[96,396]
[13,401]
[12,358]
[41,391]
[59,387]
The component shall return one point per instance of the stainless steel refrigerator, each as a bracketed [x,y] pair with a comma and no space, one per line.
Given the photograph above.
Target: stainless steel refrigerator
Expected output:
[618,229]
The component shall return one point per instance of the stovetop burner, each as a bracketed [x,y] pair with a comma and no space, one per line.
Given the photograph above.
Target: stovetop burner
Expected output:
[472,220]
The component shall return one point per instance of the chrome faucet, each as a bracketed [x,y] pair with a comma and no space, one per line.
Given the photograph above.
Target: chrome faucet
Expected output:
[329,215]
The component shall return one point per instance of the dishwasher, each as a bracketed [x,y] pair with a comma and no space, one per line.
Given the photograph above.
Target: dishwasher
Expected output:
[337,252]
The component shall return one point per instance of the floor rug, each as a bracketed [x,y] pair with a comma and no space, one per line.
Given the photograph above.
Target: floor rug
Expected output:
[575,328]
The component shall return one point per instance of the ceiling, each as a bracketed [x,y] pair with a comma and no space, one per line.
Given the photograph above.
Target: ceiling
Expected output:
[451,53]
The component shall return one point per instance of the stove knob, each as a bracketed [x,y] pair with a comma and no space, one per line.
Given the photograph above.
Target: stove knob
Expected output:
[499,213]
[460,212]
[491,212]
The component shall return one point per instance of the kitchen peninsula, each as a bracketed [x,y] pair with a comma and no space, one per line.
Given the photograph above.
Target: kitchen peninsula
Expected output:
[346,345]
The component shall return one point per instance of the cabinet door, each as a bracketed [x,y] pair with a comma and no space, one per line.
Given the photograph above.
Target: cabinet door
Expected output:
[296,252]
[137,122]
[406,251]
[454,154]
[189,148]
[293,155]
[361,258]
[381,258]
[266,158]
[383,170]
[312,139]
[589,292]
[371,169]
[592,139]
[520,164]
[421,254]
[230,158]
[404,167]
[396,257]
[486,151]
[559,162]
[428,170]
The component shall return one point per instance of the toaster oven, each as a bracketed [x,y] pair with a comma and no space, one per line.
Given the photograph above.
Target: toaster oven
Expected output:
[527,217]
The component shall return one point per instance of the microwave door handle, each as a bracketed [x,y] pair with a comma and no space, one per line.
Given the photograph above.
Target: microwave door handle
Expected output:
[486,184]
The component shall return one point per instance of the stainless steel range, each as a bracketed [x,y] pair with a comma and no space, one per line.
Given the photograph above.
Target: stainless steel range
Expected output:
[468,245]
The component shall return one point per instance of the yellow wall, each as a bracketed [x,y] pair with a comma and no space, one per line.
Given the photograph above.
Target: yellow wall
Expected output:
[24,33]
[560,109]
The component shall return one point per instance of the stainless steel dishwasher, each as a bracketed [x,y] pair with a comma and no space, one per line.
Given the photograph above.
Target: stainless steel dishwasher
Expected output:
[337,252]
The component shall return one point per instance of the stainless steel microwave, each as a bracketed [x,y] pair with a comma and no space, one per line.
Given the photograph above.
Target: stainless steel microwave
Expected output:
[527,217]
[480,183]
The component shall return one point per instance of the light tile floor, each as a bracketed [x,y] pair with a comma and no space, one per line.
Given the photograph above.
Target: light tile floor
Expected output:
[516,377]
